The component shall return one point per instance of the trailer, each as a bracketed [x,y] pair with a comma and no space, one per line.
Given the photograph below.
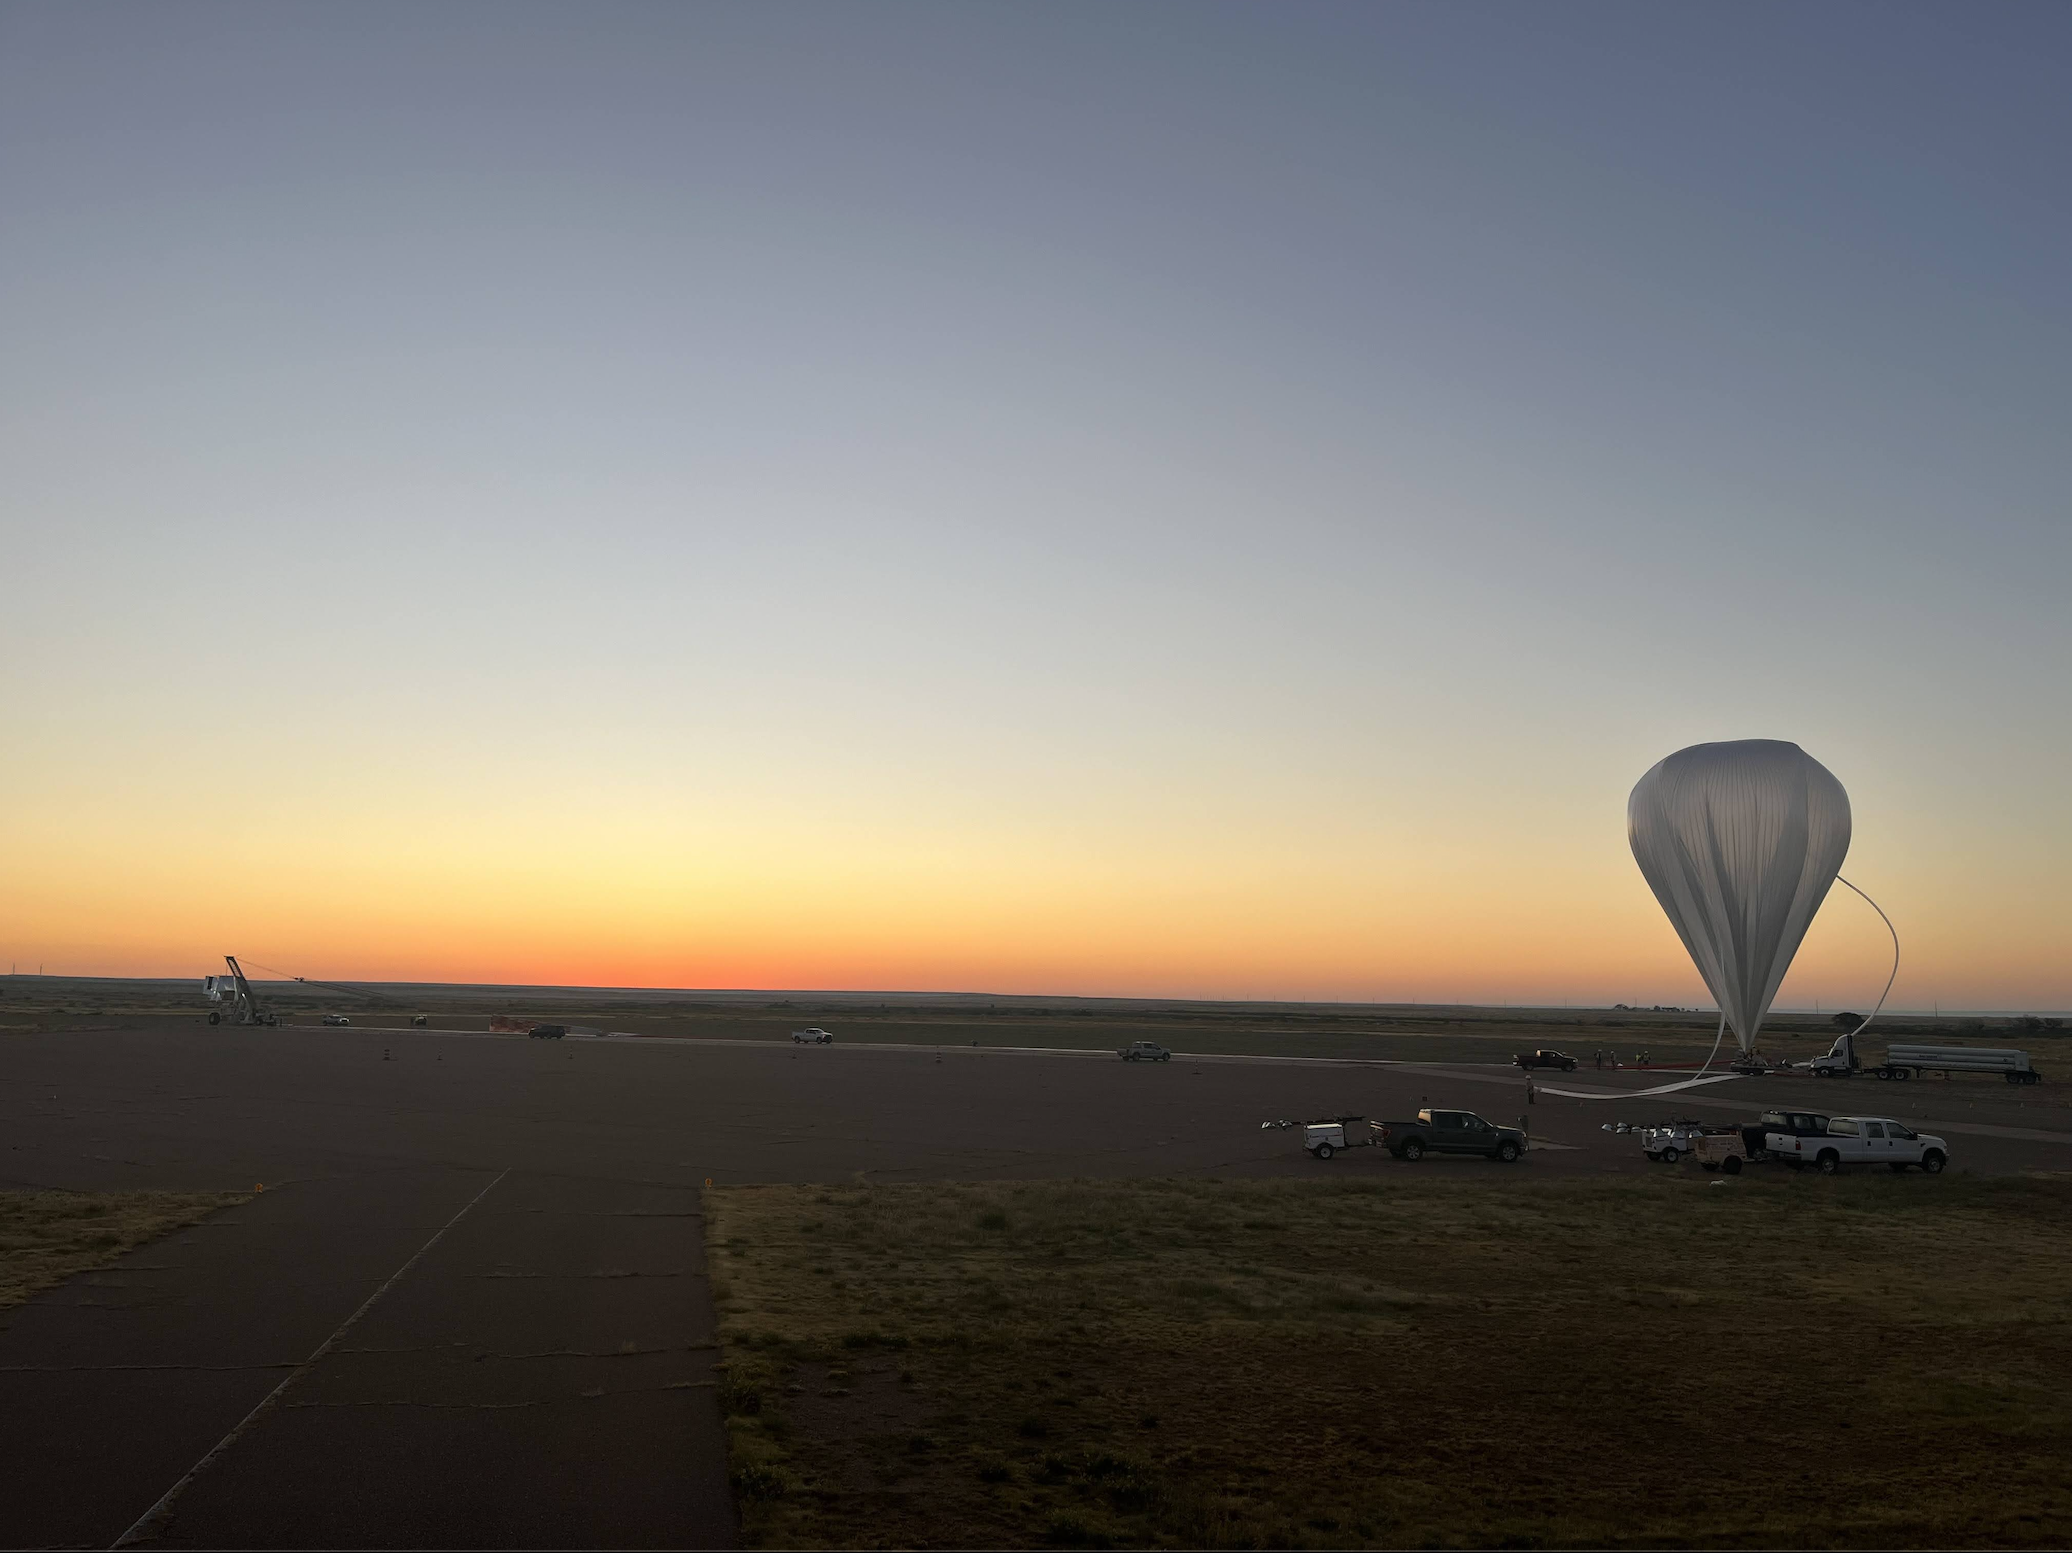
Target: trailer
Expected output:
[1326,1137]
[1912,1061]
[1904,1061]
[1722,1149]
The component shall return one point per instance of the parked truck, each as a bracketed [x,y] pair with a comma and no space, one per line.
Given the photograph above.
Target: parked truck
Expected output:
[1756,1136]
[1451,1132]
[1904,1061]
[1545,1058]
[1860,1140]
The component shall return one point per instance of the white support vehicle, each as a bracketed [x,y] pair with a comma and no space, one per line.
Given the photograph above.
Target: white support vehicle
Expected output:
[1859,1140]
[245,1007]
[812,1035]
[1671,1141]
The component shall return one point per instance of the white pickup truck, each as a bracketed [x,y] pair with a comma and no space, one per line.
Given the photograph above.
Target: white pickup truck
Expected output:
[1859,1140]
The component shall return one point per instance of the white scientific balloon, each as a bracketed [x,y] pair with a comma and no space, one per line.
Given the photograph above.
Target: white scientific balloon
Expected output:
[1740,843]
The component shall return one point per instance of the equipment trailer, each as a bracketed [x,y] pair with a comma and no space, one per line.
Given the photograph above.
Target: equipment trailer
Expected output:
[1325,1138]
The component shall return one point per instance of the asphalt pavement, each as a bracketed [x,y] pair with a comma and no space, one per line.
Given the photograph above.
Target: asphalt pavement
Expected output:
[469,1307]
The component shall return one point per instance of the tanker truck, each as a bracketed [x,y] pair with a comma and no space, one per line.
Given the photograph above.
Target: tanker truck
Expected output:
[1905,1061]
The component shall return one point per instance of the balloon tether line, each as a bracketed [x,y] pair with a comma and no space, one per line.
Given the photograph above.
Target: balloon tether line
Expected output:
[1889,980]
[1715,1044]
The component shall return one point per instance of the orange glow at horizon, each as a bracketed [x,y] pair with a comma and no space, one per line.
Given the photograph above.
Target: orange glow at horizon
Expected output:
[627,894]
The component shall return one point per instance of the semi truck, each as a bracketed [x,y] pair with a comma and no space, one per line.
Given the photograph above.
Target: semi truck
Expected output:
[1905,1061]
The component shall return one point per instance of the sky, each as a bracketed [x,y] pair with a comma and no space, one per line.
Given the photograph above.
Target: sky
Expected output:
[1168,499]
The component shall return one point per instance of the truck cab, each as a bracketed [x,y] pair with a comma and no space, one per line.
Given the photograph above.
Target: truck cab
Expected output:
[1839,1060]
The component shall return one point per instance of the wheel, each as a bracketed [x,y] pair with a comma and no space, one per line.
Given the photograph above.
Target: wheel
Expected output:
[1412,1150]
[273,1021]
[215,1019]
[1507,1151]
[1731,1165]
[1167,1057]
[1933,1162]
[1669,1156]
[1828,1163]
[1902,1072]
[1323,1151]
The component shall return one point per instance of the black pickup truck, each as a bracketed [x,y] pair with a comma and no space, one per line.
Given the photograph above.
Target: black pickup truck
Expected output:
[1793,1124]
[1451,1132]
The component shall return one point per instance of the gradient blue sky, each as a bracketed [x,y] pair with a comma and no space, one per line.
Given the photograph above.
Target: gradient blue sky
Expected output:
[1108,498]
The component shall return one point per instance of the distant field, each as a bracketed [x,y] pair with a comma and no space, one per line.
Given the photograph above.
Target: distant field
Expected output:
[1423,1361]
[47,1237]
[1394,1032]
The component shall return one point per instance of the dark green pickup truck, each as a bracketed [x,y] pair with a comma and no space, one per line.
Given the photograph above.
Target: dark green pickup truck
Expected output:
[1451,1132]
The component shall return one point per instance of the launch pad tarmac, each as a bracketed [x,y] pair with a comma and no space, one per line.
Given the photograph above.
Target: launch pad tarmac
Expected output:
[478,1264]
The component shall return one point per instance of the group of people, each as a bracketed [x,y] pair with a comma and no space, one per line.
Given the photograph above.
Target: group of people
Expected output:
[1611,1059]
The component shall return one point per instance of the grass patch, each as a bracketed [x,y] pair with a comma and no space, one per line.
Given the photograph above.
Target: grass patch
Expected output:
[1415,1361]
[47,1237]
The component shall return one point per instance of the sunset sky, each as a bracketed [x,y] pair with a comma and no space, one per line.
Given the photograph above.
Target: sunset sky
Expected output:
[1188,500]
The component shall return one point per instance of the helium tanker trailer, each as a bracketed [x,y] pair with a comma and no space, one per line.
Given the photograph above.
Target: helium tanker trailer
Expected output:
[1904,1061]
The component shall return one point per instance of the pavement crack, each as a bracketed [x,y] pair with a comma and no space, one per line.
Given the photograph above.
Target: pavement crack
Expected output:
[545,1353]
[594,1394]
[67,1369]
[607,1274]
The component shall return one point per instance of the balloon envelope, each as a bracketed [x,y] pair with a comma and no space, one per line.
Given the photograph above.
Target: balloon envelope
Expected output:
[1740,843]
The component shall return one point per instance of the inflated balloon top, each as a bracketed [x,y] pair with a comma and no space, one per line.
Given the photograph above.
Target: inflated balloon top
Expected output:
[1740,843]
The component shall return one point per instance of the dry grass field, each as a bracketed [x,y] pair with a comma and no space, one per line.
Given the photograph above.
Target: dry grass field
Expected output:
[1436,1359]
[47,1237]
